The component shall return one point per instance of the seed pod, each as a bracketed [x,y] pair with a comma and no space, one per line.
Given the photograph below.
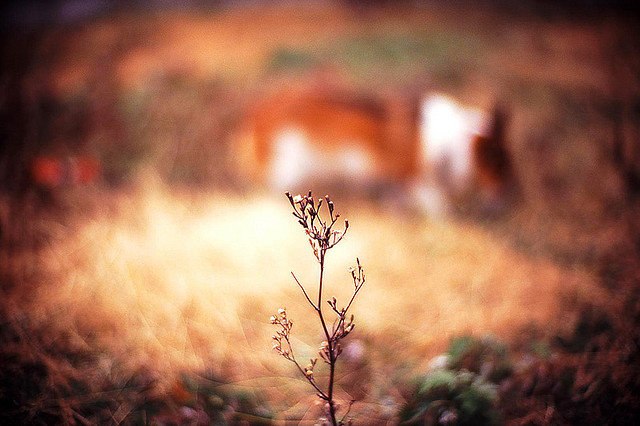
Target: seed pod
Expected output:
[290,198]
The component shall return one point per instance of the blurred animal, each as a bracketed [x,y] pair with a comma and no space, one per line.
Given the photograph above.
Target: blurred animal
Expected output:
[335,138]
[430,151]
[465,156]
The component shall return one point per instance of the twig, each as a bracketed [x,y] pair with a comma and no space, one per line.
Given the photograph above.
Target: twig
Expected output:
[304,291]
[322,237]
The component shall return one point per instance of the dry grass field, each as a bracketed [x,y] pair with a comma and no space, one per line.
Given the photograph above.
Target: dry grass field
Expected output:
[171,284]
[145,297]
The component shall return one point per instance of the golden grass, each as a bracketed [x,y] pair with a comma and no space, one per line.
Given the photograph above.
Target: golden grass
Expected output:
[176,283]
[172,282]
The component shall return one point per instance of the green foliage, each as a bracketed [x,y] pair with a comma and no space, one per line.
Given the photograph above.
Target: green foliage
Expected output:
[486,356]
[452,397]
[541,349]
[446,55]
[219,402]
[287,59]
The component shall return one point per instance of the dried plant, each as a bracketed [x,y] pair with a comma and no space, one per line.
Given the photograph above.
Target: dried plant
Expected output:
[322,237]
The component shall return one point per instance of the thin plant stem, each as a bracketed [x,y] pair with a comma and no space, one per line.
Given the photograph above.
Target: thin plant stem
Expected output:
[322,238]
[321,394]
[304,291]
[330,342]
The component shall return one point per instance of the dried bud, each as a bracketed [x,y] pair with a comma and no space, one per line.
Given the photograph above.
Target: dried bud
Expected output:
[346,224]
[290,198]
[282,312]
[311,210]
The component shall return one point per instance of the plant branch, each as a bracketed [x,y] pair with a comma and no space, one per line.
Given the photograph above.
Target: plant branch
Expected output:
[322,237]
[304,374]
[304,291]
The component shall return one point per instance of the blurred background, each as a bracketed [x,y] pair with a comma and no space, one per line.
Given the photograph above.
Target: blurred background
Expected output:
[486,154]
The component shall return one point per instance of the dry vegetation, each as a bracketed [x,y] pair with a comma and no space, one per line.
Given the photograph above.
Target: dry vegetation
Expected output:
[171,284]
[147,297]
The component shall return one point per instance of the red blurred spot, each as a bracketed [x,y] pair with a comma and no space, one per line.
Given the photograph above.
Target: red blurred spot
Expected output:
[86,170]
[47,171]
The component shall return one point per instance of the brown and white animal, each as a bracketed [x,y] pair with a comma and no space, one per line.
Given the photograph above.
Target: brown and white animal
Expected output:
[464,156]
[430,150]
